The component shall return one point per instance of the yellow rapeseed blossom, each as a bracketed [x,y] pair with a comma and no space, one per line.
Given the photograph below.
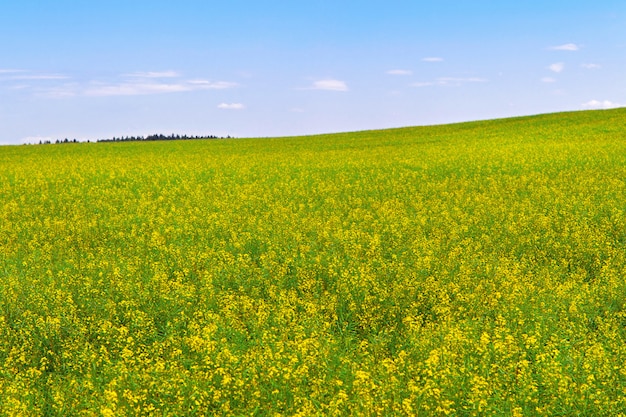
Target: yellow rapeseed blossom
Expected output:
[469,269]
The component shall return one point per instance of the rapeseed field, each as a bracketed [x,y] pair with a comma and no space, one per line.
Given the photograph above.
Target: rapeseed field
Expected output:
[474,269]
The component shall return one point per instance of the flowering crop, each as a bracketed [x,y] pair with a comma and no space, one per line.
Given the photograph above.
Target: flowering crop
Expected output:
[467,269]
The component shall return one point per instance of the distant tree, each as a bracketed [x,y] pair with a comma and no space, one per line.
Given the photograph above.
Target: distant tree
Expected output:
[158,136]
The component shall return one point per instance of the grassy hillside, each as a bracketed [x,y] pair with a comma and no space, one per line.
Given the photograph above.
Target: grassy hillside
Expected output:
[467,269]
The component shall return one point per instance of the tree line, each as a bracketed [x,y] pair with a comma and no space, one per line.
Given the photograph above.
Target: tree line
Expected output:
[154,137]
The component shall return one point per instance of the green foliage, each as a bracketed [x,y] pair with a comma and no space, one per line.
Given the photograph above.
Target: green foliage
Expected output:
[467,269]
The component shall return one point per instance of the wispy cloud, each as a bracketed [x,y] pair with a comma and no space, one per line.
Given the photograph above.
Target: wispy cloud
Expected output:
[604,104]
[591,66]
[423,84]
[16,74]
[154,74]
[129,84]
[40,77]
[328,85]
[10,71]
[144,88]
[548,80]
[138,84]
[462,80]
[565,47]
[399,72]
[64,91]
[432,59]
[450,82]
[134,89]
[19,87]
[211,85]
[557,67]
[231,106]
[39,84]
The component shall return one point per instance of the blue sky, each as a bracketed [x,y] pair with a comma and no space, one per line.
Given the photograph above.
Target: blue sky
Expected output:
[96,69]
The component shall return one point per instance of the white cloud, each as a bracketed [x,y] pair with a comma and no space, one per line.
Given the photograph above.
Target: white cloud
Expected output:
[605,104]
[60,92]
[40,77]
[145,88]
[558,67]
[432,59]
[400,72]
[329,85]
[447,80]
[140,85]
[209,85]
[15,74]
[423,84]
[231,106]
[10,71]
[18,87]
[548,80]
[591,66]
[134,89]
[565,47]
[154,74]
[450,82]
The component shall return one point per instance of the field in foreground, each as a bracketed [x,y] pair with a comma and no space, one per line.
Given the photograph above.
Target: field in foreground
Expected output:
[468,269]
